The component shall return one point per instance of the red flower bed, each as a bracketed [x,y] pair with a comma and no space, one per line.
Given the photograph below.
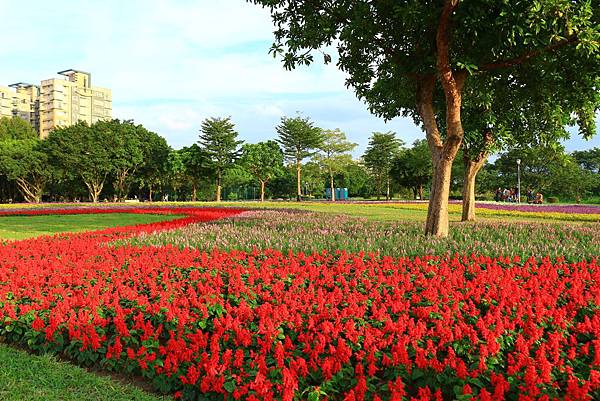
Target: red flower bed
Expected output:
[266,326]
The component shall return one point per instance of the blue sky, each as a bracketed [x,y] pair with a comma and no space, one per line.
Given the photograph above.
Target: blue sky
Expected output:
[172,63]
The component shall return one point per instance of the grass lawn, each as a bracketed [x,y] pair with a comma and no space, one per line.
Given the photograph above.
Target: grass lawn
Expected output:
[30,377]
[42,377]
[398,212]
[21,227]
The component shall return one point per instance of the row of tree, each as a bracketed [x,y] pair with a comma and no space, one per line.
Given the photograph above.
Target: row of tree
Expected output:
[116,159]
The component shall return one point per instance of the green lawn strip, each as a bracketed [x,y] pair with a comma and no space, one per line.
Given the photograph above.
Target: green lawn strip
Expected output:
[381,211]
[45,378]
[21,227]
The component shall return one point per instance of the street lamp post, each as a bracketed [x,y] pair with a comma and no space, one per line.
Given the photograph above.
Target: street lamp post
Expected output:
[518,180]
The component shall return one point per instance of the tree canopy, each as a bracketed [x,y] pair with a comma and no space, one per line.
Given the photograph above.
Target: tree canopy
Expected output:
[334,156]
[382,149]
[264,160]
[218,138]
[412,168]
[16,128]
[299,139]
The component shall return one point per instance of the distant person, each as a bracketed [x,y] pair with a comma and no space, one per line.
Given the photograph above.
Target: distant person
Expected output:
[530,197]
[539,198]
[498,195]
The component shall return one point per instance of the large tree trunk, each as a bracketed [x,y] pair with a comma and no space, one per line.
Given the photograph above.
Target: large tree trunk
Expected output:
[298,182]
[94,189]
[472,167]
[32,190]
[219,187]
[444,151]
[437,212]
[331,186]
[121,184]
[387,191]
[262,190]
[194,192]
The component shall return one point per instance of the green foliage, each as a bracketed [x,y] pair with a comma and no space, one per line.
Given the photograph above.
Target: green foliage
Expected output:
[412,167]
[387,47]
[588,159]
[218,139]
[312,180]
[356,178]
[334,155]
[26,162]
[154,170]
[264,160]
[547,169]
[298,137]
[191,168]
[83,151]
[16,128]
[124,139]
[379,156]
[424,59]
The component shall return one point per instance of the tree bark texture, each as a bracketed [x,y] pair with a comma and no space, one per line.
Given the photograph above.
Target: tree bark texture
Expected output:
[298,180]
[262,190]
[331,186]
[472,167]
[31,190]
[94,188]
[443,151]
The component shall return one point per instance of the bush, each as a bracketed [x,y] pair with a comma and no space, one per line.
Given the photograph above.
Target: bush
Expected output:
[552,199]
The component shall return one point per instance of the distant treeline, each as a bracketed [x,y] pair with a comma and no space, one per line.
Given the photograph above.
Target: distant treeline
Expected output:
[117,160]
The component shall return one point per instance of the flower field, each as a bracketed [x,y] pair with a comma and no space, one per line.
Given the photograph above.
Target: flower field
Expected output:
[310,232]
[253,323]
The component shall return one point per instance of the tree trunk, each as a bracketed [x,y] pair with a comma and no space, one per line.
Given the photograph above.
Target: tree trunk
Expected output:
[437,213]
[121,185]
[150,194]
[194,191]
[420,191]
[298,181]
[472,167]
[262,190]
[444,151]
[331,186]
[387,192]
[94,189]
[32,190]
[219,187]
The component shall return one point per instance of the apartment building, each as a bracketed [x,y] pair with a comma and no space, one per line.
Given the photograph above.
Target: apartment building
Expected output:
[57,102]
[21,100]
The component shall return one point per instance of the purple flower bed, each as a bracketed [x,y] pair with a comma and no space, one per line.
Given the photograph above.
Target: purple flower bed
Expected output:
[571,209]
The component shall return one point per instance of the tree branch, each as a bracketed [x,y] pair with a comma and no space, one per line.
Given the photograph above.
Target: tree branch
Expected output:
[425,107]
[528,55]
